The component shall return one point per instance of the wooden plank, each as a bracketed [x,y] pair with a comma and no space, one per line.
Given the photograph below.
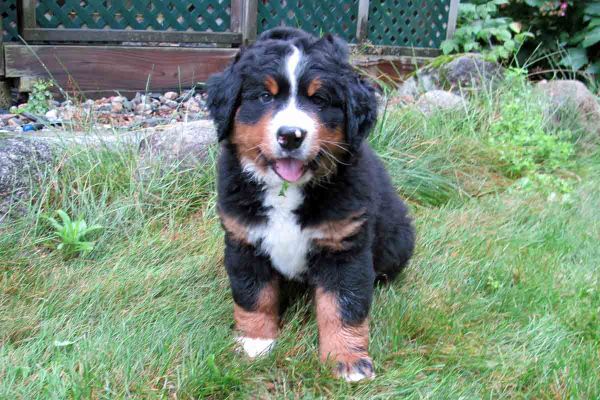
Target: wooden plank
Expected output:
[27,15]
[117,35]
[250,21]
[362,20]
[1,51]
[388,69]
[237,15]
[452,17]
[94,69]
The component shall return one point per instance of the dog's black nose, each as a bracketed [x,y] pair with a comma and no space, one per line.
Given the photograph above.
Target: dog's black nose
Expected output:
[290,137]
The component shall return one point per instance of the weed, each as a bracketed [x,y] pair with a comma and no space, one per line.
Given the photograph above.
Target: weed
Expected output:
[40,97]
[72,234]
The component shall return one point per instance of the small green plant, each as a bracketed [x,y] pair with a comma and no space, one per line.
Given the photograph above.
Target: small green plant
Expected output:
[72,235]
[481,29]
[525,146]
[40,97]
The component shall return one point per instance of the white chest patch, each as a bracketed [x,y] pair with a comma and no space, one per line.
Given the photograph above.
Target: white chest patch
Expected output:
[281,236]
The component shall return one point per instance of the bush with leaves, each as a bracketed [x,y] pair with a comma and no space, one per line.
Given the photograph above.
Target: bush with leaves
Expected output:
[567,32]
[481,29]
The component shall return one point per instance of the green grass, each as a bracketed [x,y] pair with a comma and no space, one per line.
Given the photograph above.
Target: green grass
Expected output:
[502,298]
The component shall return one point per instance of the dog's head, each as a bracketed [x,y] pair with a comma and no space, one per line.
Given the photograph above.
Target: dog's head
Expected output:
[292,106]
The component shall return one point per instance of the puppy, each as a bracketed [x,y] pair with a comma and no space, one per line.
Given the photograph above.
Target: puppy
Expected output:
[301,196]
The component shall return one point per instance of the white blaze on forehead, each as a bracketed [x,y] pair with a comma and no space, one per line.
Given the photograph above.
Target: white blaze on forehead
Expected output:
[291,115]
[292,64]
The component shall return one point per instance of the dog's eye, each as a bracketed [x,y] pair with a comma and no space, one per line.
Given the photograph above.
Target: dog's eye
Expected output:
[319,100]
[266,97]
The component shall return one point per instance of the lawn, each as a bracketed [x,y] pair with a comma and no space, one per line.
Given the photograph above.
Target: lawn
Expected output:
[502,298]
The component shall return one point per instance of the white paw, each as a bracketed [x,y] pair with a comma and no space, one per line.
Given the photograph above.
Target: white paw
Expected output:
[255,347]
[357,371]
[356,376]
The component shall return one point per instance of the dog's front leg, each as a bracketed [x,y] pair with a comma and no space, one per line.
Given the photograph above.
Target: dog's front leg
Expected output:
[255,291]
[343,298]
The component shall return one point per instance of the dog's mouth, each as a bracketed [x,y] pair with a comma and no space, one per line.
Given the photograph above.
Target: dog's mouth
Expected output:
[289,169]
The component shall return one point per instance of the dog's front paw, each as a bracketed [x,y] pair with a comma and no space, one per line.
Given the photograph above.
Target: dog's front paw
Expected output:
[254,347]
[355,370]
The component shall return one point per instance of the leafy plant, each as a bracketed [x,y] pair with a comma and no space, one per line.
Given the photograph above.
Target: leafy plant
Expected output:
[525,146]
[480,28]
[72,234]
[567,32]
[40,97]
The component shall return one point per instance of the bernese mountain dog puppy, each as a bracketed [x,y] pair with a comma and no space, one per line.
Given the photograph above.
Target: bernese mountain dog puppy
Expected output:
[301,195]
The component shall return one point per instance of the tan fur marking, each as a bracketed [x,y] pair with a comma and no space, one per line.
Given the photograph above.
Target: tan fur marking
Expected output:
[251,142]
[330,143]
[232,226]
[271,85]
[339,342]
[263,321]
[332,234]
[313,86]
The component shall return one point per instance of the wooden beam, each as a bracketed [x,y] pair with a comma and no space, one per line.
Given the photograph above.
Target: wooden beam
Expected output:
[362,20]
[250,21]
[237,15]
[452,17]
[1,51]
[96,69]
[118,35]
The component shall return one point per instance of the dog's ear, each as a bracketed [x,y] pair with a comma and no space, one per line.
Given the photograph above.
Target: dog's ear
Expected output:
[333,46]
[361,110]
[224,96]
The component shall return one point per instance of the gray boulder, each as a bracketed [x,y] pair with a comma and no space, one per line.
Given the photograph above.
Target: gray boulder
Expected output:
[184,146]
[571,99]
[465,72]
[23,161]
[439,100]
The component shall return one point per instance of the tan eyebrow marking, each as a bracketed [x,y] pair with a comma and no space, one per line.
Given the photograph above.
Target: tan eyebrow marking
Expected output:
[313,86]
[271,85]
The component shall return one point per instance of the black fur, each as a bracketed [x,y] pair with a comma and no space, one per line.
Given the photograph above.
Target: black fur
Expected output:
[385,242]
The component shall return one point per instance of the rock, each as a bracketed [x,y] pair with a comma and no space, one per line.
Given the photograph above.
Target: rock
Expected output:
[571,99]
[141,107]
[470,71]
[171,95]
[22,161]
[171,103]
[466,72]
[116,107]
[52,115]
[14,122]
[191,106]
[184,146]
[439,100]
[103,108]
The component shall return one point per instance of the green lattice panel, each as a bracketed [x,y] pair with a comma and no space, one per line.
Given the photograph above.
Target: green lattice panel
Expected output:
[157,15]
[317,17]
[408,23]
[8,14]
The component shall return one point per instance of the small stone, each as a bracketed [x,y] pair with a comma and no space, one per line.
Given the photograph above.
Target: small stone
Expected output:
[165,109]
[6,117]
[52,115]
[14,122]
[22,106]
[171,95]
[437,100]
[105,108]
[171,104]
[117,107]
[13,109]
[66,103]
[88,103]
[128,105]
[118,99]
[192,107]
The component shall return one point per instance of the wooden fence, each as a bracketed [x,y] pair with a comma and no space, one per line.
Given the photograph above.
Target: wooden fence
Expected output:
[127,41]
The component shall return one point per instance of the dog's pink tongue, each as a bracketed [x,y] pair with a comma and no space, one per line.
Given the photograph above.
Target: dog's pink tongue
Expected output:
[289,169]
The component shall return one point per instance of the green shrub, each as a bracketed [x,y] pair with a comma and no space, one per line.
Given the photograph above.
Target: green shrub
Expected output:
[40,97]
[480,28]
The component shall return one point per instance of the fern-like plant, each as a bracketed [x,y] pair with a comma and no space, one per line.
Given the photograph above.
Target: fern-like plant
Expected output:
[72,235]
